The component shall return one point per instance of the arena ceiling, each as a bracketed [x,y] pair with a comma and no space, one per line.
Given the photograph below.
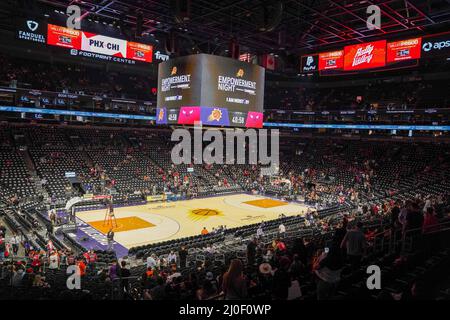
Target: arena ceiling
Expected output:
[262,26]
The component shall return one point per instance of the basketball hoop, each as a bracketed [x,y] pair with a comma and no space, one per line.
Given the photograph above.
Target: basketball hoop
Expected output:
[110,218]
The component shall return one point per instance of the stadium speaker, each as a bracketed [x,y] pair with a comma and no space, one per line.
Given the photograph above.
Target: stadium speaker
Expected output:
[282,39]
[233,49]
[181,10]
[171,42]
[139,24]
[124,28]
[268,15]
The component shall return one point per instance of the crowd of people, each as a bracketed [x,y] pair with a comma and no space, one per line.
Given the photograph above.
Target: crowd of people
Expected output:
[274,268]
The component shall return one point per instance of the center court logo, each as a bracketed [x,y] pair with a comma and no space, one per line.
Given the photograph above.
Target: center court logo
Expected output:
[237,147]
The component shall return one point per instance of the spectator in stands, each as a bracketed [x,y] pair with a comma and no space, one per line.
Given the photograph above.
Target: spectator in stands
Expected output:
[414,217]
[81,267]
[17,278]
[2,248]
[355,244]
[2,230]
[299,249]
[234,283]
[206,291]
[296,268]
[91,259]
[260,232]
[114,270]
[172,258]
[328,271]
[251,252]
[430,226]
[204,231]
[159,291]
[430,221]
[183,253]
[280,247]
[281,230]
[124,275]
[414,222]
[281,280]
[151,261]
[15,241]
[53,261]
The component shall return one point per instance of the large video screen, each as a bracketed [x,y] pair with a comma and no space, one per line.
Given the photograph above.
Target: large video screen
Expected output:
[215,90]
[365,55]
[331,60]
[404,50]
[85,42]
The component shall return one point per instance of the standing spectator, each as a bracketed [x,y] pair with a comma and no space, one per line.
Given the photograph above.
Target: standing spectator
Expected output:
[172,258]
[430,225]
[260,232]
[110,238]
[16,280]
[281,280]
[2,248]
[430,221]
[114,270]
[413,225]
[2,230]
[92,259]
[124,275]
[355,244]
[234,284]
[328,271]
[281,230]
[206,291]
[15,241]
[151,261]
[251,252]
[158,292]
[53,261]
[183,253]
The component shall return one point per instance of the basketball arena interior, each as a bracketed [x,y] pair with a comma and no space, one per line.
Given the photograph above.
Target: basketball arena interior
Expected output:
[193,150]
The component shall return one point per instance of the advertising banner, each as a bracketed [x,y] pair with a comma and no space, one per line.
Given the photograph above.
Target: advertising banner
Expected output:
[32,30]
[63,37]
[91,45]
[437,45]
[367,55]
[310,63]
[104,45]
[404,50]
[331,60]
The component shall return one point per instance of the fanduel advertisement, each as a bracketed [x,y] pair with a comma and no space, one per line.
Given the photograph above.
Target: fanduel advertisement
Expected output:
[210,89]
[32,30]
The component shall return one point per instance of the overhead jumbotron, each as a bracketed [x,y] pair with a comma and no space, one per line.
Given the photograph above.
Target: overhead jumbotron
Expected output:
[200,153]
